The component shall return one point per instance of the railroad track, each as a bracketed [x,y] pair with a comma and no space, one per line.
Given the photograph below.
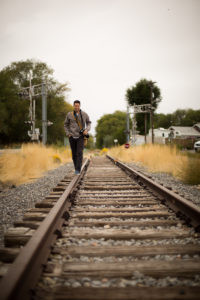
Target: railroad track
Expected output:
[109,233]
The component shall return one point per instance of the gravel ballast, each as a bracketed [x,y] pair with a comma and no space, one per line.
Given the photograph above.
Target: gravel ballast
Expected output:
[15,201]
[187,191]
[137,279]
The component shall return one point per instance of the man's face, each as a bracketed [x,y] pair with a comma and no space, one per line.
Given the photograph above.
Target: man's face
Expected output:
[76,107]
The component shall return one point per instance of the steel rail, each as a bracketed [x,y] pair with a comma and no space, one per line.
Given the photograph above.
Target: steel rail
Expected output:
[181,206]
[18,282]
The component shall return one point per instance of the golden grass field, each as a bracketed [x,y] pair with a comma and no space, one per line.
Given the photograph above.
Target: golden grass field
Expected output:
[30,162]
[162,158]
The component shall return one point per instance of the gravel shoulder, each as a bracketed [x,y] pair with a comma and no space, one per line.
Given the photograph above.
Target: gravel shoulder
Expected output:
[15,201]
[189,192]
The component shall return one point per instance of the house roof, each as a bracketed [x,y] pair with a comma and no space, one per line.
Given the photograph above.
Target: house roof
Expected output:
[161,129]
[184,130]
[197,125]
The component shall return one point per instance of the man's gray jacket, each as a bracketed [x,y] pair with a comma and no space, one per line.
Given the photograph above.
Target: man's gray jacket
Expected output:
[71,127]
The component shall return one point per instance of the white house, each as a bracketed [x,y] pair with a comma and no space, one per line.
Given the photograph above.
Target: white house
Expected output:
[160,132]
[184,132]
[180,132]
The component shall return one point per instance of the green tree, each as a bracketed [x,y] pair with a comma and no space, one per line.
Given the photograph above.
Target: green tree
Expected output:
[192,117]
[181,117]
[144,92]
[14,110]
[110,127]
[162,120]
[185,117]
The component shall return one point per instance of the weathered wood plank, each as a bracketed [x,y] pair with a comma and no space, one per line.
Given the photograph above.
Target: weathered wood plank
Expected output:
[111,183]
[128,234]
[37,216]
[45,204]
[115,198]
[135,251]
[123,215]
[52,199]
[112,187]
[162,268]
[105,180]
[66,180]
[128,293]
[126,223]
[106,174]
[140,199]
[55,193]
[59,188]
[17,236]
[120,209]
[83,192]
[40,210]
[29,224]
[116,202]
[8,255]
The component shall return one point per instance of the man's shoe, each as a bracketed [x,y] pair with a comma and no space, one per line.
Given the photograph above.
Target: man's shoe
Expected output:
[77,172]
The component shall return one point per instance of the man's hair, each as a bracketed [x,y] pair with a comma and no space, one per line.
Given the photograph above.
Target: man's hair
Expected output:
[77,101]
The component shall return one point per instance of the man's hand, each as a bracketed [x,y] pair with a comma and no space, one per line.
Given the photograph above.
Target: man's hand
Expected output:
[85,132]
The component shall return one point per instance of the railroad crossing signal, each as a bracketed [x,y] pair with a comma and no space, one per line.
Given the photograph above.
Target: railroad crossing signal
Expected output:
[143,108]
[34,135]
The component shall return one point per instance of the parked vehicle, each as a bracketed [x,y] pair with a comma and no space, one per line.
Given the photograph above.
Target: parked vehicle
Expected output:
[197,146]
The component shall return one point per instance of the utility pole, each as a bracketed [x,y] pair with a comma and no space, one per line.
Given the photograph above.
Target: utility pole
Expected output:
[30,97]
[44,114]
[34,132]
[127,126]
[134,125]
[151,113]
[30,93]
[145,127]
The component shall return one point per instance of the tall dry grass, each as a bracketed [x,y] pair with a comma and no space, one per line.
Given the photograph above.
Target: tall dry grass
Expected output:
[30,162]
[162,158]
[191,171]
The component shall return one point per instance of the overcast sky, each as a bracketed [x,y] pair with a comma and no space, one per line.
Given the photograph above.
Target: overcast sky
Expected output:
[103,47]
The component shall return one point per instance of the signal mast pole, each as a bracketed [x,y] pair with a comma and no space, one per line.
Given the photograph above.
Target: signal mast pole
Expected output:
[30,93]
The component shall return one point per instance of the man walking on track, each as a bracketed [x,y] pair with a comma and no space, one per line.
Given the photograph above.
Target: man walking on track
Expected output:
[76,125]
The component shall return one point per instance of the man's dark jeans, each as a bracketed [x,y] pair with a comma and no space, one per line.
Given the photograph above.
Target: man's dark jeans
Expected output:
[77,146]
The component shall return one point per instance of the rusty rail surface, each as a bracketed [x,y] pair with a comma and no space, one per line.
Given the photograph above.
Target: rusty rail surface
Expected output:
[24,272]
[182,206]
